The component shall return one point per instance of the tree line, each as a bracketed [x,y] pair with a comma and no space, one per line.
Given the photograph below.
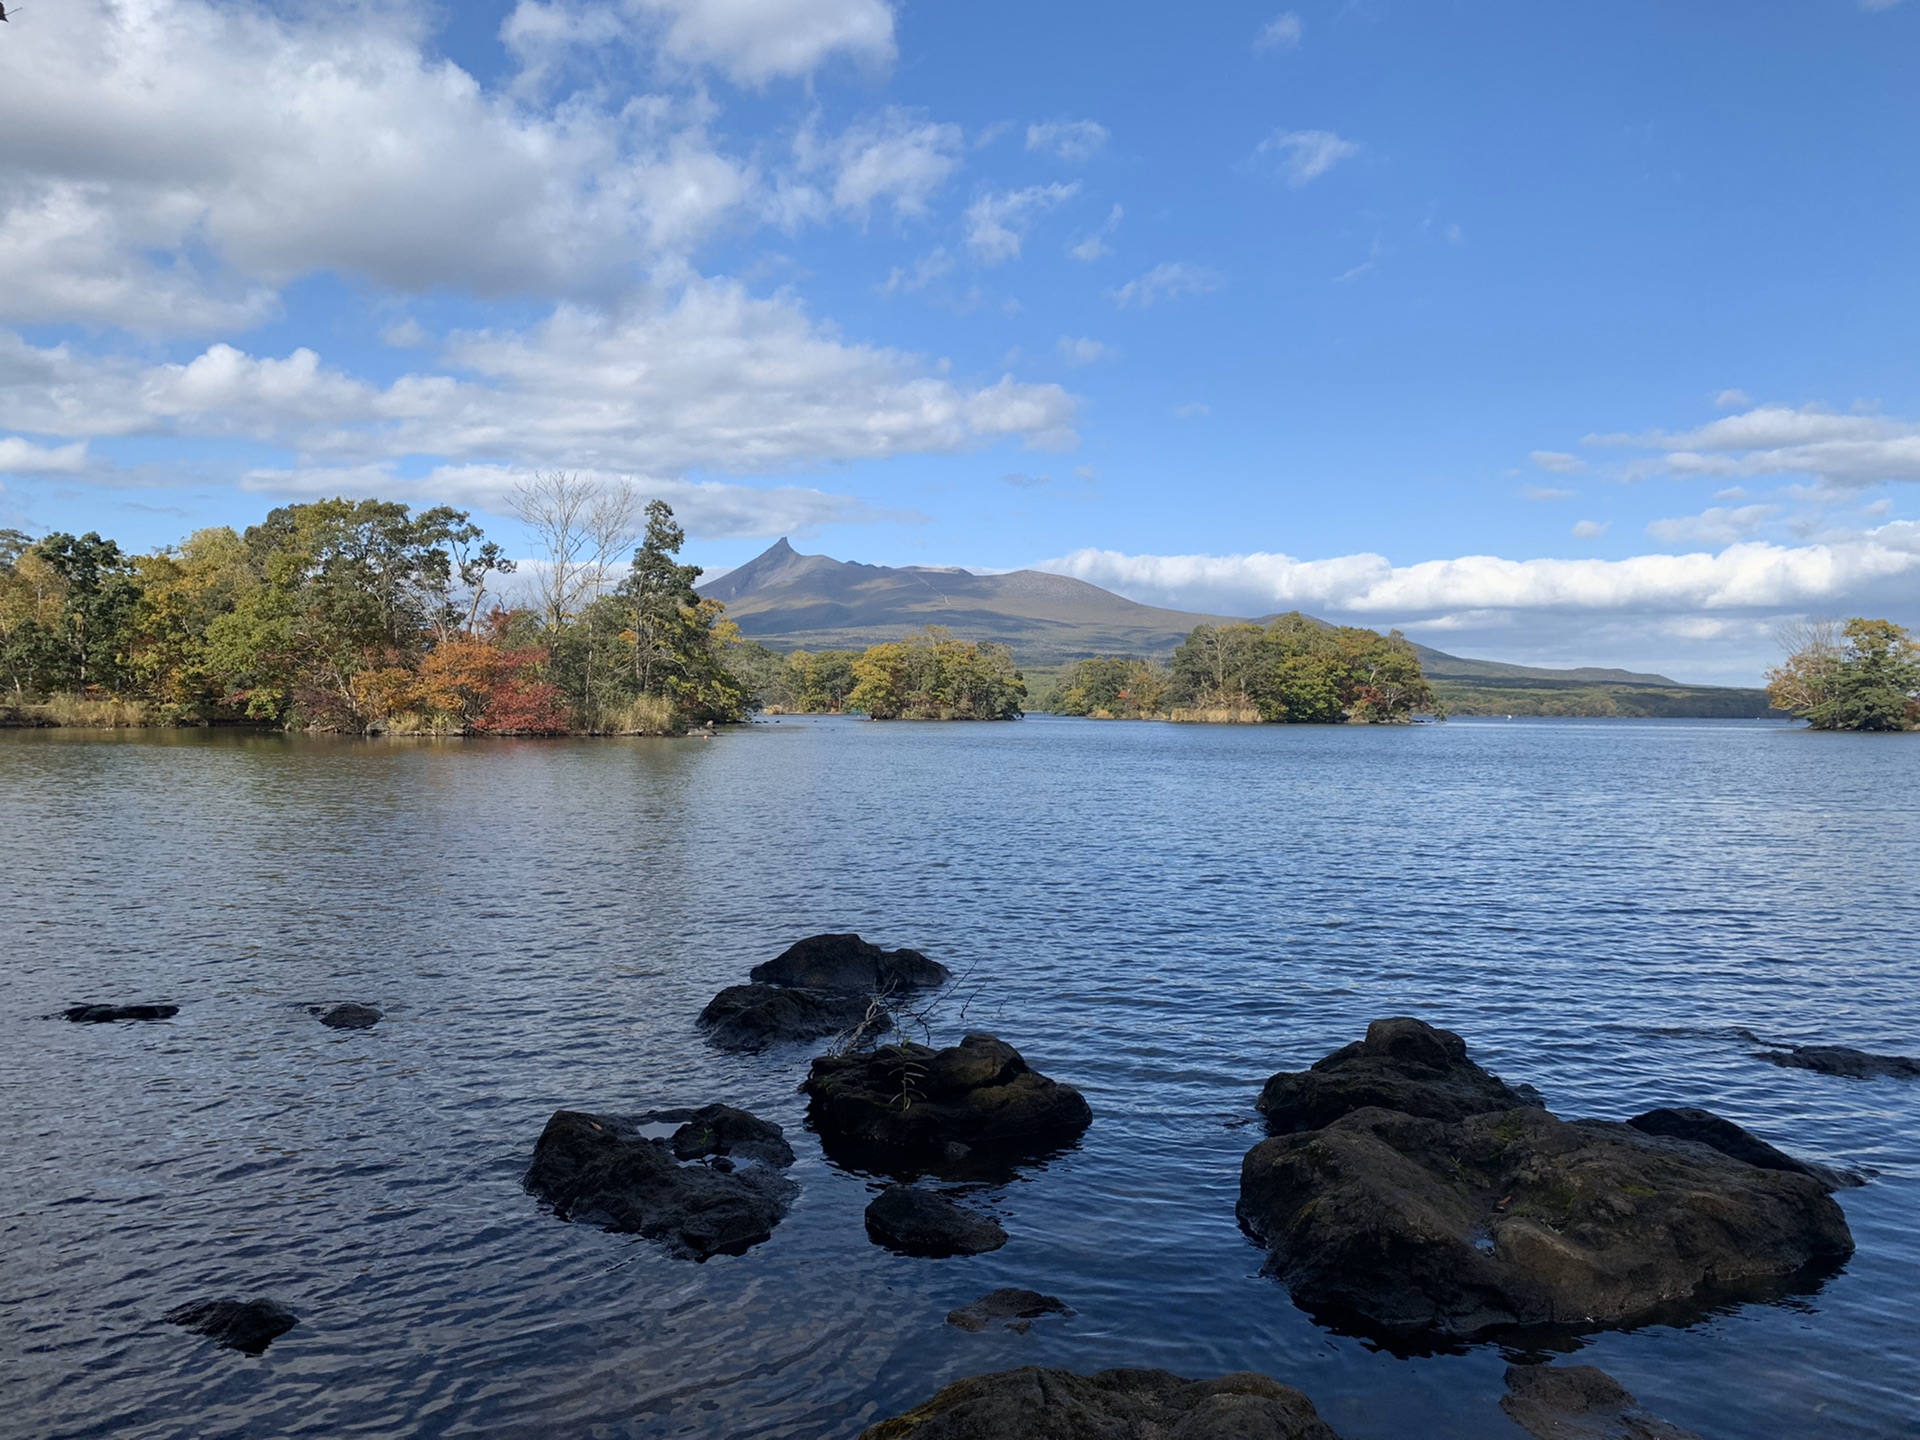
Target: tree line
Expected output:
[1858,675]
[1294,670]
[928,676]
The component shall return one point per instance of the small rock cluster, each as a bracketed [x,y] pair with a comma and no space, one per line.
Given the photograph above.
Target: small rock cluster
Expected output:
[823,985]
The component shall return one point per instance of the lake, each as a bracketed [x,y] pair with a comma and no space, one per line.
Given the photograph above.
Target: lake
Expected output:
[1161,915]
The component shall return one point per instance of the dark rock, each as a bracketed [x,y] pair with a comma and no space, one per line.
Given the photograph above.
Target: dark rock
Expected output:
[906,1105]
[598,1168]
[722,1131]
[1006,1304]
[1416,1227]
[1839,1060]
[1580,1402]
[1707,1128]
[752,1017]
[1404,1065]
[1036,1404]
[245,1325]
[349,1017]
[101,1014]
[920,1222]
[848,963]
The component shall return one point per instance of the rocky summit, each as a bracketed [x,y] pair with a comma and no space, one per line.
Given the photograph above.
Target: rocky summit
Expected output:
[1037,1404]
[726,1199]
[1456,1229]
[913,1106]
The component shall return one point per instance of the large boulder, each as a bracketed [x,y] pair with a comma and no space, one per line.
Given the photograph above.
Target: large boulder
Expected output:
[1012,1304]
[909,1106]
[924,1223]
[1706,1128]
[1848,1063]
[348,1017]
[1036,1404]
[752,1017]
[248,1326]
[848,963]
[602,1169]
[1420,1227]
[1404,1065]
[105,1014]
[1580,1402]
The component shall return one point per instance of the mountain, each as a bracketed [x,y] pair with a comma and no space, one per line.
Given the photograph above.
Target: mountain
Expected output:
[791,601]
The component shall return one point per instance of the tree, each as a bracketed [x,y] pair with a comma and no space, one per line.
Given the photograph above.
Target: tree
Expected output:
[1299,671]
[581,525]
[1864,675]
[932,676]
[101,592]
[1112,688]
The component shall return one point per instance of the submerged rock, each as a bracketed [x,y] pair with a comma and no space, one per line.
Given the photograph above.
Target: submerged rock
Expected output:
[1706,1128]
[921,1222]
[1404,1065]
[848,963]
[1580,1402]
[248,1326]
[102,1014]
[1842,1061]
[600,1169]
[349,1017]
[1010,1303]
[752,1017]
[1420,1227]
[1036,1404]
[908,1105]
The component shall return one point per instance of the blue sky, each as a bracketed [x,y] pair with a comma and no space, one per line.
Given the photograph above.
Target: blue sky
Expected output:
[1569,334]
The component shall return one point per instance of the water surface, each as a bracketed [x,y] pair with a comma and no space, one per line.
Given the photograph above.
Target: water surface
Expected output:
[1161,915]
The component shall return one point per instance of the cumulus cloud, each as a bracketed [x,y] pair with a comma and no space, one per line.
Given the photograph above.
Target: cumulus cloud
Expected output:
[997,222]
[1591,529]
[755,41]
[20,456]
[1303,156]
[1283,32]
[1716,526]
[1750,577]
[1843,451]
[897,156]
[1074,141]
[711,377]
[1174,280]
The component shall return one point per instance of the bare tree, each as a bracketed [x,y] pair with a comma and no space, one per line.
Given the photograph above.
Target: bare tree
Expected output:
[583,525]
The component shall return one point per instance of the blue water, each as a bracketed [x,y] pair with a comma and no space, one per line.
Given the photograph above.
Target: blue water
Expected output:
[1161,915]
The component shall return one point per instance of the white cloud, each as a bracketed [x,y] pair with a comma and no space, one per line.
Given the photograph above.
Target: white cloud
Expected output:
[755,41]
[1591,529]
[1074,141]
[1094,246]
[18,456]
[934,265]
[1303,156]
[1546,493]
[1171,281]
[709,378]
[1731,399]
[1283,32]
[1843,451]
[1558,461]
[407,334]
[897,156]
[1716,526]
[997,221]
[1081,351]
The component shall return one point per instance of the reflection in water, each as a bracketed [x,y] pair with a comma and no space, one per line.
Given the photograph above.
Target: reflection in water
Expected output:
[1161,916]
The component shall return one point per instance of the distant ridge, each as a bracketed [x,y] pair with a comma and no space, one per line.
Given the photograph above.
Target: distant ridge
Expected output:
[792,601]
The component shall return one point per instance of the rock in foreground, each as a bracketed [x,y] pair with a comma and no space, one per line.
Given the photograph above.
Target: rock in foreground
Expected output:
[599,1168]
[1418,1227]
[248,1326]
[848,963]
[1404,1065]
[752,1017]
[1010,1303]
[906,1105]
[350,1017]
[1580,1402]
[1706,1128]
[921,1222]
[103,1014]
[1847,1063]
[1036,1404]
